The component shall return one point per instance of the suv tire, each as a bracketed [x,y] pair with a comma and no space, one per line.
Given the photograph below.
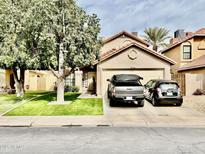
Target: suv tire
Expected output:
[112,103]
[141,103]
[179,104]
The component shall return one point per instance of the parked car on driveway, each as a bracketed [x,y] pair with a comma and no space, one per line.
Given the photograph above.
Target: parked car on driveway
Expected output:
[163,92]
[125,88]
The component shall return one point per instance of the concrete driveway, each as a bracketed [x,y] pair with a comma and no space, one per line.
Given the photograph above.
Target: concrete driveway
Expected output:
[149,115]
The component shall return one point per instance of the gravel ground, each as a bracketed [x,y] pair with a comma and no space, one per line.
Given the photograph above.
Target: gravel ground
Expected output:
[195,102]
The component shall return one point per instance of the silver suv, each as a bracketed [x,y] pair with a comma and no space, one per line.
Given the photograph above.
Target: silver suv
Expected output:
[126,88]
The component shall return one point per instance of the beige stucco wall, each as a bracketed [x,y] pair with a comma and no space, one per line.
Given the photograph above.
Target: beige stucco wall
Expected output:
[144,61]
[118,43]
[8,73]
[2,78]
[40,80]
[193,82]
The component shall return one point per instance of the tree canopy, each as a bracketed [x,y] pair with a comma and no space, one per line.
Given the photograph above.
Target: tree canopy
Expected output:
[47,34]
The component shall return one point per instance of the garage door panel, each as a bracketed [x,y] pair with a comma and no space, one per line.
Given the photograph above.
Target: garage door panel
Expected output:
[146,74]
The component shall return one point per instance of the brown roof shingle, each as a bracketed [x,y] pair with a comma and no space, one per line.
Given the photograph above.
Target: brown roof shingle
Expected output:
[127,34]
[196,63]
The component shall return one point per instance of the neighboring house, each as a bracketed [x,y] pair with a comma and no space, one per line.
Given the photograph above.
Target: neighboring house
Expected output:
[188,50]
[126,53]
[34,80]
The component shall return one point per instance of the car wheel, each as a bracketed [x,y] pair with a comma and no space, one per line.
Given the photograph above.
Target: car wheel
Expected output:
[154,102]
[112,103]
[141,103]
[179,104]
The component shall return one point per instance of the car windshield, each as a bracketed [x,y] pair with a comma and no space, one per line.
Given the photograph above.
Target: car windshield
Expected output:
[166,86]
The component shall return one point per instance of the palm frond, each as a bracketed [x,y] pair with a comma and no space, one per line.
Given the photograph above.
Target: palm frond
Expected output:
[156,36]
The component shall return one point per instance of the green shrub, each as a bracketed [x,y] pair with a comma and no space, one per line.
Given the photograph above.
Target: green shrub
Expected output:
[71,89]
[198,92]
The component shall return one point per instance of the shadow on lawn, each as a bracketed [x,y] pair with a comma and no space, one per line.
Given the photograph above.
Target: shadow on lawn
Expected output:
[52,97]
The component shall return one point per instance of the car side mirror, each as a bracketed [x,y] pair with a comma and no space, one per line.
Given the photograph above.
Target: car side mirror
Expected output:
[108,80]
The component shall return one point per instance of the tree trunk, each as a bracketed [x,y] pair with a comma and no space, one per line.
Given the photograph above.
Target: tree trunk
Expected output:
[19,89]
[155,47]
[19,83]
[61,80]
[60,91]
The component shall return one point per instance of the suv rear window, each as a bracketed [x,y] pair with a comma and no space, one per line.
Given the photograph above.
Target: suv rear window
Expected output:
[125,77]
[128,83]
[166,86]
[126,80]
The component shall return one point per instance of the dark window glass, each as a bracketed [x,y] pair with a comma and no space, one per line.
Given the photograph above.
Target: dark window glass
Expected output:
[70,80]
[187,52]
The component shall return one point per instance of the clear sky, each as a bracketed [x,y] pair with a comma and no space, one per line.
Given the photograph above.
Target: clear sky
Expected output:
[136,15]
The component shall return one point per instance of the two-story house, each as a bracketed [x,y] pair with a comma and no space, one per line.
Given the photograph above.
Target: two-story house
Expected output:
[187,49]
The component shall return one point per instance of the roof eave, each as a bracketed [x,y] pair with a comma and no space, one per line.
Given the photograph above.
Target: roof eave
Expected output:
[190,68]
[162,57]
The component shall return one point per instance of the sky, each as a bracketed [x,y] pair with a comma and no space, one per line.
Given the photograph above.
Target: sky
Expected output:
[136,15]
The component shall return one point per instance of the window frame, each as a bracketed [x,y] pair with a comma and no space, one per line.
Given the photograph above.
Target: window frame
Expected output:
[190,52]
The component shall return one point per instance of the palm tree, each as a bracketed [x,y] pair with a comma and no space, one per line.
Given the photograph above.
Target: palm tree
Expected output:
[156,36]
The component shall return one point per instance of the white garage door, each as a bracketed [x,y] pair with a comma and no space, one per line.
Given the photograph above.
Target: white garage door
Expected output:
[146,74]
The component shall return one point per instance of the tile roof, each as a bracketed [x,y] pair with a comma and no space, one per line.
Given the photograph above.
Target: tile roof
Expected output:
[196,63]
[127,34]
[113,52]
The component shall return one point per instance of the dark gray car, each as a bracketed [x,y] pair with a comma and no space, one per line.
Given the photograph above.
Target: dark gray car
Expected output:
[163,92]
[126,88]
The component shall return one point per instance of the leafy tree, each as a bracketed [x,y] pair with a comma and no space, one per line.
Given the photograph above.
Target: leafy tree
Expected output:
[47,34]
[75,41]
[156,37]
[15,17]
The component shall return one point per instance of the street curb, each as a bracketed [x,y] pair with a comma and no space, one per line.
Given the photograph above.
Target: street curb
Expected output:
[103,126]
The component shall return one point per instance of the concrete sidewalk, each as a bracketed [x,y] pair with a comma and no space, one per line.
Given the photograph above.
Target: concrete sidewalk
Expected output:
[97,121]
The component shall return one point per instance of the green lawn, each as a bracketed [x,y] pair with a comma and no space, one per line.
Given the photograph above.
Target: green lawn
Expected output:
[10,101]
[40,107]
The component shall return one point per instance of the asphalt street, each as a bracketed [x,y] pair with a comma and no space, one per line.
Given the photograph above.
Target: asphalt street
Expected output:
[97,140]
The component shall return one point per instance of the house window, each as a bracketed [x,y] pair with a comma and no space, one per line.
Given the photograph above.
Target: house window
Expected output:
[70,80]
[187,52]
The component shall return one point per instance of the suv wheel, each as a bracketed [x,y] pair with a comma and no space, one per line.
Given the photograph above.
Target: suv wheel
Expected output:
[112,103]
[141,103]
[179,104]
[154,102]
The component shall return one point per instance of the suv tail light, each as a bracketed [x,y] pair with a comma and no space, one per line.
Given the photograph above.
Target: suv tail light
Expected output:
[145,91]
[113,92]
